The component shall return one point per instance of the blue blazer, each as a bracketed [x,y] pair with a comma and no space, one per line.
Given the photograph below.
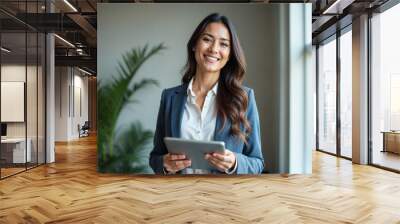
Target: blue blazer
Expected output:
[248,157]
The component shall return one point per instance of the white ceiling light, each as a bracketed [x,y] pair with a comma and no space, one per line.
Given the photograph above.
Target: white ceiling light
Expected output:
[79,51]
[5,49]
[337,7]
[65,41]
[86,72]
[70,5]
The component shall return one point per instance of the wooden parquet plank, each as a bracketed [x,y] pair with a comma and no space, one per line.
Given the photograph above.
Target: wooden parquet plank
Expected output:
[71,191]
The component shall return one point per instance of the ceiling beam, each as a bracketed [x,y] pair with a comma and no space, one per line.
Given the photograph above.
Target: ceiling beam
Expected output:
[86,27]
[83,61]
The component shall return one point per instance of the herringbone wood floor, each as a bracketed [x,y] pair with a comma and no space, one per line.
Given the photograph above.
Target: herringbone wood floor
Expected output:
[71,191]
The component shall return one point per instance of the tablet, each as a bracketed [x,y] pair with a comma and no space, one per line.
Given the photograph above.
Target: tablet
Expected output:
[194,150]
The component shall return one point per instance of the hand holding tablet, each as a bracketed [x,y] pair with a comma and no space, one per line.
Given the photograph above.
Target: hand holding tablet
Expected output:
[195,152]
[223,162]
[175,162]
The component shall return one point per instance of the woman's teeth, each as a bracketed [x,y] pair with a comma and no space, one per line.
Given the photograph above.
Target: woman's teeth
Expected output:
[211,58]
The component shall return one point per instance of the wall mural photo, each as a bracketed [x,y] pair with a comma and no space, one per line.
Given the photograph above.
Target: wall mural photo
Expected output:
[199,93]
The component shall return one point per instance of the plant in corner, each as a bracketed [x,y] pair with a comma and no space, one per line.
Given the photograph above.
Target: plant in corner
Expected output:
[123,151]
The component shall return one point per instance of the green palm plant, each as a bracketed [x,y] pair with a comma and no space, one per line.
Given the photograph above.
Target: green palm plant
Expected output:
[123,152]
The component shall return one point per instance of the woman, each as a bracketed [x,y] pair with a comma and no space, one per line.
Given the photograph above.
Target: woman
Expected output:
[211,104]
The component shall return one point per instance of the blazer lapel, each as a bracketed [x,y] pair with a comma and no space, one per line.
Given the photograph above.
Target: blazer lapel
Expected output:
[178,105]
[217,132]
[220,135]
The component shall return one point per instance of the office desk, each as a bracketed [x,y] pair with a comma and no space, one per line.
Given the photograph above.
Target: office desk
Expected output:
[391,141]
[15,148]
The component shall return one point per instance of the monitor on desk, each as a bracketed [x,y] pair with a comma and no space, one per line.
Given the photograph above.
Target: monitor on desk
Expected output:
[3,130]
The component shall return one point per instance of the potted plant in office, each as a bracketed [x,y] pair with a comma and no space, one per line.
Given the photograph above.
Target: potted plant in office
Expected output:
[123,151]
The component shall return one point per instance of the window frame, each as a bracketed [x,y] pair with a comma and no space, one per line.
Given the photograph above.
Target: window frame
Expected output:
[334,37]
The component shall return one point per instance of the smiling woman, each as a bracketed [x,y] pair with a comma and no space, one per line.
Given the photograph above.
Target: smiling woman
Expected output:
[212,50]
[211,104]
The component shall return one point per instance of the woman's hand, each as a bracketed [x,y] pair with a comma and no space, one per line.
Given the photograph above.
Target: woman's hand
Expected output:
[175,162]
[222,161]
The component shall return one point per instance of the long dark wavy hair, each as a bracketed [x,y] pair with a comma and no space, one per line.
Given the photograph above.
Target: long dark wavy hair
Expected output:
[232,99]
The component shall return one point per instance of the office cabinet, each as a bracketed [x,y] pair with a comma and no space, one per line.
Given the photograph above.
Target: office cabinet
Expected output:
[391,142]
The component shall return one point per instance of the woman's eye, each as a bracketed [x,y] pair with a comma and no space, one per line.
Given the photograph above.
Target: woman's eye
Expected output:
[225,45]
[206,39]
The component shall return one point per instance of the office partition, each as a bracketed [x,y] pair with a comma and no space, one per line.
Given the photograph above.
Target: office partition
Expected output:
[22,78]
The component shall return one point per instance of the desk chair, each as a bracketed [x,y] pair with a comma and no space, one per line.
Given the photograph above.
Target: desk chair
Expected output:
[84,130]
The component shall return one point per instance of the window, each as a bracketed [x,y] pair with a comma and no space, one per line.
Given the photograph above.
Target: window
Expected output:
[327,97]
[346,94]
[385,88]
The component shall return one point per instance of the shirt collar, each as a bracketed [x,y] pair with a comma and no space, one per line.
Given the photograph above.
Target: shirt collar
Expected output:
[215,88]
[190,91]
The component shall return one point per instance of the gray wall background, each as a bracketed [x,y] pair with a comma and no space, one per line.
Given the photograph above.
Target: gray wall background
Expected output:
[276,39]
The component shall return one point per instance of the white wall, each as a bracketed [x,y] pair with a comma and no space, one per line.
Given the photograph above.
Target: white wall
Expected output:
[33,127]
[70,83]
[61,103]
[12,73]
[80,94]
[16,72]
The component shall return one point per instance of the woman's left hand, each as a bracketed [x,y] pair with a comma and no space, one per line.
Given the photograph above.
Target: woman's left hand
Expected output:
[222,161]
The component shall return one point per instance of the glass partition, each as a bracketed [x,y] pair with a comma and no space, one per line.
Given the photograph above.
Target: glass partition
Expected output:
[22,87]
[41,109]
[32,95]
[14,152]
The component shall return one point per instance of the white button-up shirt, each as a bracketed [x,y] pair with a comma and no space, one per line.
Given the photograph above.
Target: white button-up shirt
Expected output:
[199,124]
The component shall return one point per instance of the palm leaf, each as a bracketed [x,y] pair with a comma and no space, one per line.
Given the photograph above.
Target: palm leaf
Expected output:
[130,151]
[116,94]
